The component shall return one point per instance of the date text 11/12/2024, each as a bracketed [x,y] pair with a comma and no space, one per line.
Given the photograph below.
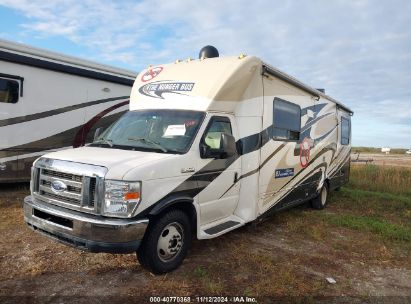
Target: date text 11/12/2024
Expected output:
[203,299]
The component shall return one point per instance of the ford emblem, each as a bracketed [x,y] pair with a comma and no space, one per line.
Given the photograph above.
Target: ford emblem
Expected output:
[58,186]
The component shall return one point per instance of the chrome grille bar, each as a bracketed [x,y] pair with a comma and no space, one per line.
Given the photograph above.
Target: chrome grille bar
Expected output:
[63,195]
[66,181]
[34,183]
[79,191]
[58,198]
[62,175]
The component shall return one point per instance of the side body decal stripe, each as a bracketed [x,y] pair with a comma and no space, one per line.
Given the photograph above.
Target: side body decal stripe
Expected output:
[245,145]
[56,141]
[81,135]
[257,169]
[25,118]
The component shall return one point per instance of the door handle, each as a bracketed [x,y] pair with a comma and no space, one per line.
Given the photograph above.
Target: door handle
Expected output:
[235,177]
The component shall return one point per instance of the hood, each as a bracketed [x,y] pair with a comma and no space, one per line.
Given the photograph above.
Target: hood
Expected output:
[118,162]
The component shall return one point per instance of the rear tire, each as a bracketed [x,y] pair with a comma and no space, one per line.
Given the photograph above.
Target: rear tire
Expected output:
[166,242]
[320,201]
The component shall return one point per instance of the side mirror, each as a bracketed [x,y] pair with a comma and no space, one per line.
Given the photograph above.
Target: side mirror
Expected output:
[204,151]
[227,145]
[97,133]
[227,148]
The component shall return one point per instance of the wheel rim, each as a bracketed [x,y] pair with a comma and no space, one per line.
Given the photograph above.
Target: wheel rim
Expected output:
[170,242]
[324,195]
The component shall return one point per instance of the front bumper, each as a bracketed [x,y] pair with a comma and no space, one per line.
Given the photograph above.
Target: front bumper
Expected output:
[84,231]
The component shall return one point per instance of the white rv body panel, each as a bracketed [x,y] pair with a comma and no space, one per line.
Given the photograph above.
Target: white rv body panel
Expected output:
[59,95]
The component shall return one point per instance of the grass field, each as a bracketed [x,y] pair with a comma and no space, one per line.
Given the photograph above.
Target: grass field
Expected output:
[386,179]
[362,240]
[376,150]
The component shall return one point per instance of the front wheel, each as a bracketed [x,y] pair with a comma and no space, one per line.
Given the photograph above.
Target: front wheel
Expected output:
[320,201]
[165,242]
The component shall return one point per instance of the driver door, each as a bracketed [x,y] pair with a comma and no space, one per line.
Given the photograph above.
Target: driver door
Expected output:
[220,193]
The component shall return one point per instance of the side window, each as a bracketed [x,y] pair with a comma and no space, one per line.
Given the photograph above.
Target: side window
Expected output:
[9,90]
[345,131]
[217,126]
[286,120]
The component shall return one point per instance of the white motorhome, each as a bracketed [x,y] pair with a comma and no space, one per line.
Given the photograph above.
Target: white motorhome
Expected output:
[49,101]
[207,146]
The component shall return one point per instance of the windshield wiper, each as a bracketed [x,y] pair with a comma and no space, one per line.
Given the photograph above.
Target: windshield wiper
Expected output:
[106,141]
[153,143]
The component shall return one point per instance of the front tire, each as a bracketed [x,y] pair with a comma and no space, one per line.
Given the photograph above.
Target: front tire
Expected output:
[320,201]
[166,242]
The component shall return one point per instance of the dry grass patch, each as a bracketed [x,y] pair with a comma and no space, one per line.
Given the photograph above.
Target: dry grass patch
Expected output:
[395,180]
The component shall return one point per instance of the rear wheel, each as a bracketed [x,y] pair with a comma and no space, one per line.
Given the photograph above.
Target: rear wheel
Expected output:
[166,242]
[320,201]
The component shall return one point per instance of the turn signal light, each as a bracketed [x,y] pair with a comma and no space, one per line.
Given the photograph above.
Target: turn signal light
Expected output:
[131,196]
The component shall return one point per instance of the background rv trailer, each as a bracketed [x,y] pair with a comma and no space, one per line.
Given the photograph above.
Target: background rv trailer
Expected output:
[49,101]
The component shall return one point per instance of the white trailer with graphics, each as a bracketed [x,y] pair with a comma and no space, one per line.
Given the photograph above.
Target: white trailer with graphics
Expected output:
[50,101]
[207,146]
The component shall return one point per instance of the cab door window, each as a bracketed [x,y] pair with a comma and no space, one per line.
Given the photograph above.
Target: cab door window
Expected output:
[216,127]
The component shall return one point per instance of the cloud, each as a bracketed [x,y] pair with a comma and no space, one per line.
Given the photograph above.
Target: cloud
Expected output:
[373,132]
[359,51]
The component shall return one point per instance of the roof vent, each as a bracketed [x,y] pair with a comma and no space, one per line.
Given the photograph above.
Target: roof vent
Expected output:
[321,90]
[208,52]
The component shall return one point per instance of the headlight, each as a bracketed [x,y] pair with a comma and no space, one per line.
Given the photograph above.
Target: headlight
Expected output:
[121,198]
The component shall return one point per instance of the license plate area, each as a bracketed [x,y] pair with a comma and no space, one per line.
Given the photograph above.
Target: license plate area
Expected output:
[53,219]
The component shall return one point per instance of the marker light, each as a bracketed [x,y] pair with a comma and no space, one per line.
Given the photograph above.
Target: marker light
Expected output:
[131,196]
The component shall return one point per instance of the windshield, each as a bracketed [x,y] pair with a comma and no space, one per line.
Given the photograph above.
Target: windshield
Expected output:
[166,131]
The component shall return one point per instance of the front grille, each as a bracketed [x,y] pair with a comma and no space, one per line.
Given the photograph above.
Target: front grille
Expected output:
[78,191]
[74,189]
[59,197]
[92,192]
[62,175]
[69,188]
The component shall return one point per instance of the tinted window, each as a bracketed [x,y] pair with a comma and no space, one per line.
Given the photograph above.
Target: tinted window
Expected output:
[213,133]
[345,131]
[9,90]
[286,120]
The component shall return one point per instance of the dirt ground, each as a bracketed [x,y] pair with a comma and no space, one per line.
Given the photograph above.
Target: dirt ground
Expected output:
[401,160]
[286,258]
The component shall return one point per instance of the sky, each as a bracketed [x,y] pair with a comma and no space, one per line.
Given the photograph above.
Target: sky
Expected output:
[359,51]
